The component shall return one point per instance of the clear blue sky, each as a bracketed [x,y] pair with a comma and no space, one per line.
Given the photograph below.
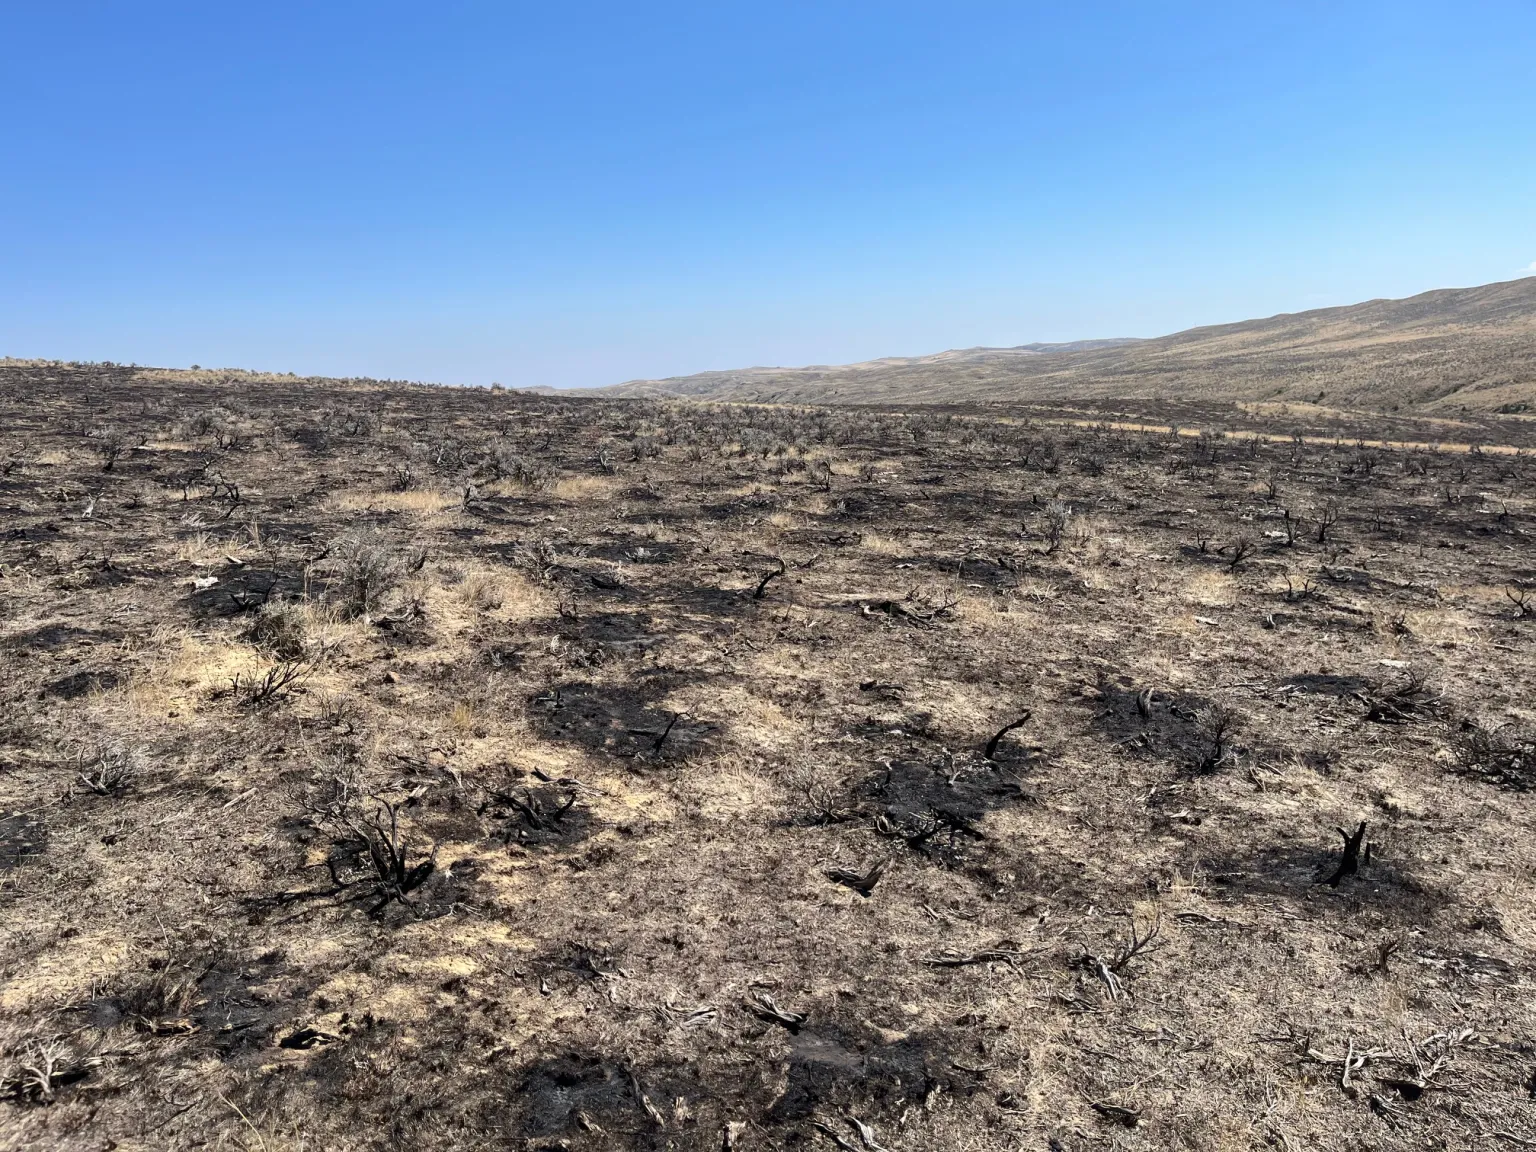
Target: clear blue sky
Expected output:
[578,194]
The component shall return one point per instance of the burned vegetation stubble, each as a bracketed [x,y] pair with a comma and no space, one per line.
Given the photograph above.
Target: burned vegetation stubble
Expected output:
[452,768]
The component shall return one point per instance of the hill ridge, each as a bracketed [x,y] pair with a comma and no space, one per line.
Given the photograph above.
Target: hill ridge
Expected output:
[1444,348]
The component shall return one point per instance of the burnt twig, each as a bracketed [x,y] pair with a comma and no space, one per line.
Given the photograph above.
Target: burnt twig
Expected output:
[762,585]
[1349,863]
[380,833]
[991,752]
[952,959]
[763,1005]
[862,883]
[1110,967]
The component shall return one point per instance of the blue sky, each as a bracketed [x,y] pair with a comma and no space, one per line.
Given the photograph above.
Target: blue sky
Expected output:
[579,194]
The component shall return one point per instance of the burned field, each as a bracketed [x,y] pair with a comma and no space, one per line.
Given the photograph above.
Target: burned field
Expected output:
[393,767]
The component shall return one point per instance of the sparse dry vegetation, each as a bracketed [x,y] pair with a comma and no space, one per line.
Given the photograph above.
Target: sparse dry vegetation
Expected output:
[1432,367]
[397,767]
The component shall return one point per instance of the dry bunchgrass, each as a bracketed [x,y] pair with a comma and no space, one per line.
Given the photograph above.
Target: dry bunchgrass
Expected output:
[882,545]
[1037,590]
[1210,589]
[421,501]
[203,548]
[584,488]
[1439,625]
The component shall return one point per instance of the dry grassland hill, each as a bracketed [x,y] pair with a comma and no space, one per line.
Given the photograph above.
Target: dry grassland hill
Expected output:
[1440,352]
[388,767]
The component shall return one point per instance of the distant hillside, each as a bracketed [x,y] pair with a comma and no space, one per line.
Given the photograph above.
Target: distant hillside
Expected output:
[1443,350]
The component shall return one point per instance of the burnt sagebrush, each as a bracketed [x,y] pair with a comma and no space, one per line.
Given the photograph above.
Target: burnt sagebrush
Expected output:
[1216,725]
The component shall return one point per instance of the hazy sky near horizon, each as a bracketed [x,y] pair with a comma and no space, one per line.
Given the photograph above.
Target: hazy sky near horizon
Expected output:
[584,193]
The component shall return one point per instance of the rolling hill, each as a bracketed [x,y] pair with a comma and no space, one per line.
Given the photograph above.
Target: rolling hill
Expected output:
[1447,350]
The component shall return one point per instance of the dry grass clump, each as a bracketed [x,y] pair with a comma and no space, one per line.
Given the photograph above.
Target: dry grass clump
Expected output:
[417,500]
[882,545]
[506,594]
[1211,589]
[584,488]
